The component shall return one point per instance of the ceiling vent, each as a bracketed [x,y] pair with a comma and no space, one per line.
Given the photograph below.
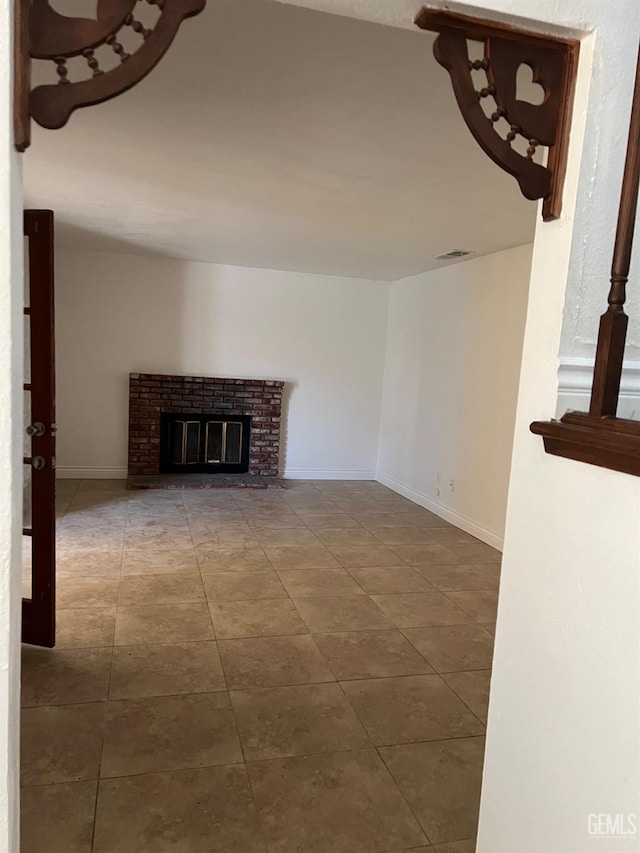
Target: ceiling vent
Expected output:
[454,253]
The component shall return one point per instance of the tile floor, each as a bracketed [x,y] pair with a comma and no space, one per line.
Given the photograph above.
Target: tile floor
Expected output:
[284,670]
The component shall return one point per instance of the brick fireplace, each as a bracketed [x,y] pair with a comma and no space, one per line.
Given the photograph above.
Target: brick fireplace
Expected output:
[151,395]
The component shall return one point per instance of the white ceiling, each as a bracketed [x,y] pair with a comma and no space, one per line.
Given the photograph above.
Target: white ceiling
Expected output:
[275,136]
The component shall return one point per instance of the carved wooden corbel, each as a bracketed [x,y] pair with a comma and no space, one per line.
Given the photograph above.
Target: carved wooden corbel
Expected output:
[44,34]
[553,64]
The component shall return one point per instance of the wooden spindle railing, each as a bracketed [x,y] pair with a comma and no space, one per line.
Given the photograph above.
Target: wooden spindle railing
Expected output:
[599,437]
[613,323]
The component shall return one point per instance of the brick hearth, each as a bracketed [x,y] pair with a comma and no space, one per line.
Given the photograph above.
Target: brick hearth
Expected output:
[150,394]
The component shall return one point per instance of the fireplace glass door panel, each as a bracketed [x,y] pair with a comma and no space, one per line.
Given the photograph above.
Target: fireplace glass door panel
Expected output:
[204,443]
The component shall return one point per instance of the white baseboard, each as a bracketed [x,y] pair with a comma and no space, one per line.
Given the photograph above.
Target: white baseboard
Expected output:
[450,515]
[326,474]
[64,473]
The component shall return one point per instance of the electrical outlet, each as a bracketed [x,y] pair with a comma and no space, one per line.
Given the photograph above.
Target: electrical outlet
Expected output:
[452,485]
[437,491]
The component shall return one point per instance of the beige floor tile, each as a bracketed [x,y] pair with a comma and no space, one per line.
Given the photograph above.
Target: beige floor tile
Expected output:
[95,502]
[158,540]
[93,522]
[365,556]
[231,527]
[420,609]
[449,536]
[64,676]
[85,628]
[230,538]
[341,613]
[477,552]
[431,554]
[242,586]
[158,512]
[302,558]
[392,502]
[385,579]
[61,743]
[182,588]
[169,733]
[262,503]
[422,518]
[441,782]
[493,570]
[208,810]
[370,654]
[66,486]
[272,662]
[283,680]
[165,670]
[360,505]
[468,846]
[473,689]
[69,543]
[453,648]
[343,802]
[264,523]
[318,582]
[175,524]
[62,504]
[410,708]
[346,536]
[480,604]
[278,722]
[87,592]
[98,512]
[288,538]
[89,564]
[102,486]
[57,818]
[154,497]
[266,617]
[248,559]
[307,504]
[403,535]
[214,521]
[163,623]
[150,562]
[424,849]
[467,576]
[378,520]
[328,520]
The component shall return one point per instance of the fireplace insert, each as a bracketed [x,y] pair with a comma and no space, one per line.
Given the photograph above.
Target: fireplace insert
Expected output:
[204,443]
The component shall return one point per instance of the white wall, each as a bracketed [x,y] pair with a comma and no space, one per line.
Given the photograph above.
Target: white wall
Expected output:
[454,345]
[11,379]
[118,314]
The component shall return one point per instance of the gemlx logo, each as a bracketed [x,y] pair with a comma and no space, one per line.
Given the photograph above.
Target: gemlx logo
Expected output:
[612,825]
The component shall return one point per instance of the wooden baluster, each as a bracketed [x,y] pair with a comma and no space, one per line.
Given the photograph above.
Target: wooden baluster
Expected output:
[613,323]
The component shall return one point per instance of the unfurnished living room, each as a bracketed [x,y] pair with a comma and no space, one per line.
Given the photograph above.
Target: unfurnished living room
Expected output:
[306,290]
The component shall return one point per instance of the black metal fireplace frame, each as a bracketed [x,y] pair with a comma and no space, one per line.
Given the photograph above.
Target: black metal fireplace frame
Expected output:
[169,467]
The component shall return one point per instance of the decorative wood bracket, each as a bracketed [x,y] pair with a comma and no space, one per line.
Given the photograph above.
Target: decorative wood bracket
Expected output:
[44,34]
[599,437]
[552,62]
